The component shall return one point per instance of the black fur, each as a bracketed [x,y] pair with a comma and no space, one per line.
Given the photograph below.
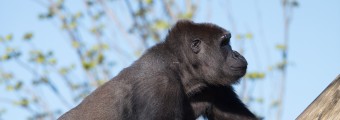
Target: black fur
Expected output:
[187,75]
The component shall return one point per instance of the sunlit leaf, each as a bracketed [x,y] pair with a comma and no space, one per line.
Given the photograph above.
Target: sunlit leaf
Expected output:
[95,47]
[18,85]
[91,53]
[72,25]
[138,52]
[281,65]
[249,36]
[239,37]
[9,37]
[88,65]
[101,82]
[270,68]
[63,71]
[187,15]
[52,61]
[44,79]
[40,59]
[281,47]
[75,44]
[105,46]
[275,103]
[255,75]
[5,57]
[9,88]
[148,1]
[78,15]
[260,100]
[50,13]
[98,15]
[7,75]
[28,36]
[160,24]
[75,86]
[23,102]
[100,58]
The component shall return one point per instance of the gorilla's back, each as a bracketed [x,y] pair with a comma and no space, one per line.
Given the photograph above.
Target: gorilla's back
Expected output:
[109,101]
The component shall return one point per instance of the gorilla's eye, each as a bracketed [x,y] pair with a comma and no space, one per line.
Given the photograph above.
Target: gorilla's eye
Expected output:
[225,39]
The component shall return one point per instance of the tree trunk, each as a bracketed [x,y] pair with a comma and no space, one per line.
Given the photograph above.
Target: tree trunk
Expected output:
[326,106]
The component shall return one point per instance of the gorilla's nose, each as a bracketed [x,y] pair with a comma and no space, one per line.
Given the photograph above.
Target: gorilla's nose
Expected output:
[239,57]
[236,55]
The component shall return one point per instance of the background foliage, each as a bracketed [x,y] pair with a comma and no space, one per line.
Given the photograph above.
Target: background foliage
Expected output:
[100,37]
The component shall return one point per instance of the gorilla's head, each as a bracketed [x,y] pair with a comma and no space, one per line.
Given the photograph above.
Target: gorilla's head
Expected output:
[205,47]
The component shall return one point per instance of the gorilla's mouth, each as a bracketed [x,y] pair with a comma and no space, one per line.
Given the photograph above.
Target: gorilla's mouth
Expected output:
[238,68]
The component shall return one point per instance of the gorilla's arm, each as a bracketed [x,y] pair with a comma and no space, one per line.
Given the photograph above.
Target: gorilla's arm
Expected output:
[220,103]
[227,105]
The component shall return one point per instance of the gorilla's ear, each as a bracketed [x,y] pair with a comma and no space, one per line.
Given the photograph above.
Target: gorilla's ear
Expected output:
[196,46]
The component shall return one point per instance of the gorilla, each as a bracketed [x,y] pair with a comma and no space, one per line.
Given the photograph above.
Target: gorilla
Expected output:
[188,75]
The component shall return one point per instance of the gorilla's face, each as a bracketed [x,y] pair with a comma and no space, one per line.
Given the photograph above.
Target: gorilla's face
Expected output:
[235,64]
[218,62]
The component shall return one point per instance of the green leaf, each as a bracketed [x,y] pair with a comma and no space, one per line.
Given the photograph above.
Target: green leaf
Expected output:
[101,82]
[259,100]
[18,85]
[239,37]
[40,58]
[249,36]
[75,86]
[138,52]
[275,103]
[50,13]
[75,44]
[100,58]
[88,65]
[72,25]
[23,102]
[104,46]
[63,71]
[28,36]
[160,24]
[78,15]
[52,61]
[255,75]
[5,57]
[187,15]
[9,88]
[98,15]
[9,37]
[281,47]
[281,65]
[148,1]
[44,80]
[7,75]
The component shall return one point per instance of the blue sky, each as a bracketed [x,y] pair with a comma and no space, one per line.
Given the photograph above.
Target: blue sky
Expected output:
[314,47]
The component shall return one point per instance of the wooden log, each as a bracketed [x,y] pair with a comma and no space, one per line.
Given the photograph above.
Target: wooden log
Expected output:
[326,106]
